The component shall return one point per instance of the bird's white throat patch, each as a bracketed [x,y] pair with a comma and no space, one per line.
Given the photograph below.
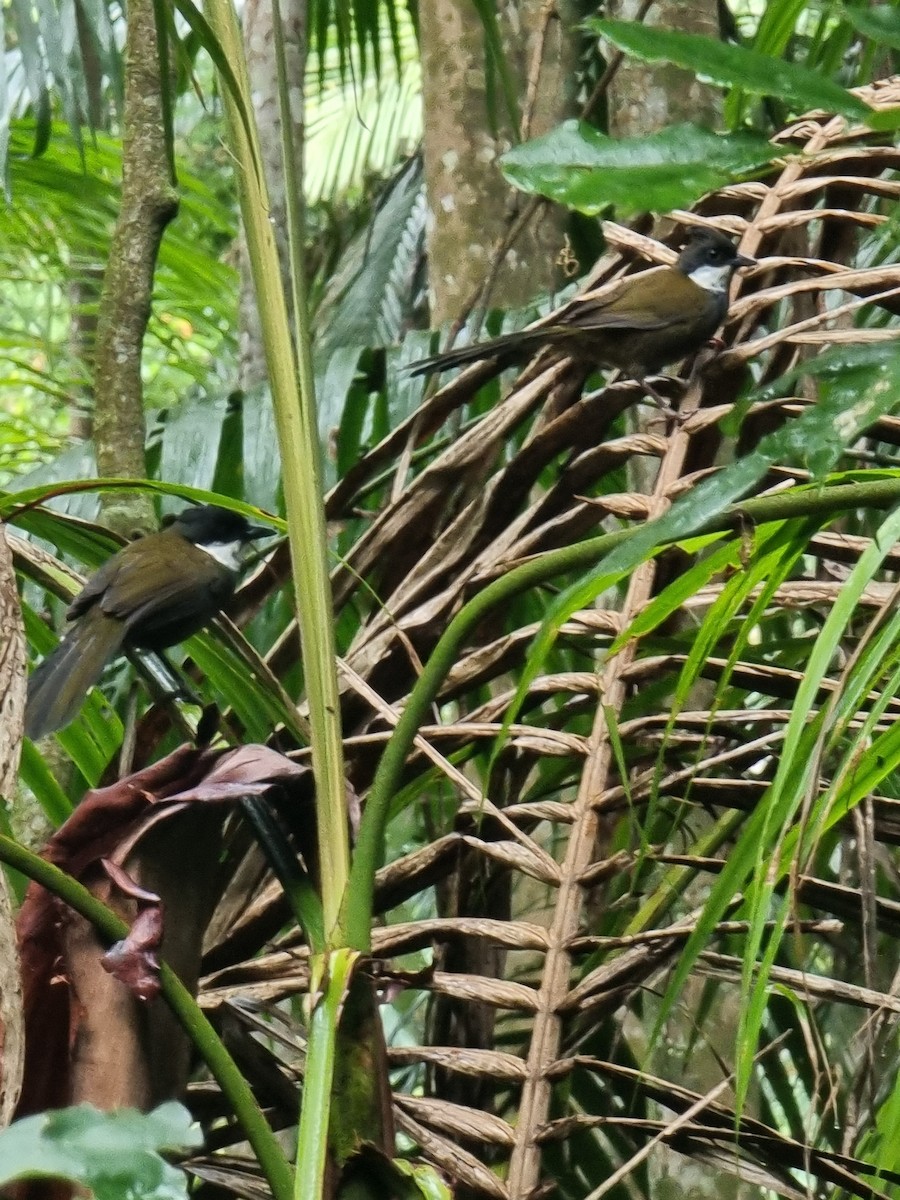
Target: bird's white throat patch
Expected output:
[227,553]
[712,279]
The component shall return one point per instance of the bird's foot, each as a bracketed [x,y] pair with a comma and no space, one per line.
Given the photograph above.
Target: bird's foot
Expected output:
[656,399]
[663,404]
[670,417]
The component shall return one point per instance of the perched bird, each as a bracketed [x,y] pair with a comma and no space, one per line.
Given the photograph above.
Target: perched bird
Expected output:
[638,324]
[153,593]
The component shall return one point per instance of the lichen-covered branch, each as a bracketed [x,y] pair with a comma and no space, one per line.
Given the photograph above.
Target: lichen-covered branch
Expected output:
[12,714]
[149,202]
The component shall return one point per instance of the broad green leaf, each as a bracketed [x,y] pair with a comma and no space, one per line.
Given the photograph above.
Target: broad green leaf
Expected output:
[60,65]
[261,484]
[115,1154]
[56,234]
[578,166]
[353,134]
[333,386]
[367,301]
[94,736]
[857,386]
[12,502]
[40,779]
[88,544]
[734,66]
[881,23]
[794,780]
[239,677]
[31,49]
[685,585]
[427,1182]
[881,1144]
[5,106]
[777,550]
[776,26]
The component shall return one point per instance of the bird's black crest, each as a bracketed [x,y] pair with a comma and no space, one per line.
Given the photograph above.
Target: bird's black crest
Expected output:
[207,523]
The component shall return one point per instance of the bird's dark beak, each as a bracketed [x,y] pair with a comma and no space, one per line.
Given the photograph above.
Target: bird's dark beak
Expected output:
[258,531]
[741,260]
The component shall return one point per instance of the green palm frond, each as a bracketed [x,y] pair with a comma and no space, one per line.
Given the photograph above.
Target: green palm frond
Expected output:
[360,121]
[57,228]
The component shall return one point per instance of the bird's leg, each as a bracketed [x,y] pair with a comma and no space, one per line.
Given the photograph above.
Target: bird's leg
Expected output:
[657,400]
[654,397]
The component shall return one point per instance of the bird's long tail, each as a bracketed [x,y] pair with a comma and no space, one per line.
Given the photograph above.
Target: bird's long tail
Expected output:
[58,687]
[506,348]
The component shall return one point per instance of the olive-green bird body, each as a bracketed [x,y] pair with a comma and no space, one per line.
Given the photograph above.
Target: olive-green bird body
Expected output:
[638,324]
[153,593]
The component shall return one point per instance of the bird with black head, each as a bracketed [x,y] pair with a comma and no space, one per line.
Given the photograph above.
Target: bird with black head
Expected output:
[152,594]
[638,324]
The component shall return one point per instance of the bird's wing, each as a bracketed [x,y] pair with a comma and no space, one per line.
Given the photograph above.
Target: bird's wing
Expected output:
[94,589]
[185,580]
[632,303]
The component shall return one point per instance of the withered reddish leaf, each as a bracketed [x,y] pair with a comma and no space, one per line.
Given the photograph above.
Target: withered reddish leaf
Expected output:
[135,961]
[107,827]
[107,814]
[246,771]
[126,884]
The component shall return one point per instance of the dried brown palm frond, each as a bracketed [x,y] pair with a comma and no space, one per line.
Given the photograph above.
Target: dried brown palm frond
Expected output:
[546,895]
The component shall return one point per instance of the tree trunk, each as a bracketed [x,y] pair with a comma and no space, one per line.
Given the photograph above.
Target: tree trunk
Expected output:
[149,202]
[644,96]
[12,716]
[86,271]
[470,204]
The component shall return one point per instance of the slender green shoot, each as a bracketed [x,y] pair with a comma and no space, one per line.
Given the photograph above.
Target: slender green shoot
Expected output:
[295,420]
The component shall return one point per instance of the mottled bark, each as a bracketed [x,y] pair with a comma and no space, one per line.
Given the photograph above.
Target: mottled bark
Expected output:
[12,713]
[85,270]
[259,42]
[644,97]
[149,202]
[470,205]
[84,296]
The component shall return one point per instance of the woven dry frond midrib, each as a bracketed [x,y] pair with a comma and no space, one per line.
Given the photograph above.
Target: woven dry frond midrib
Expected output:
[538,470]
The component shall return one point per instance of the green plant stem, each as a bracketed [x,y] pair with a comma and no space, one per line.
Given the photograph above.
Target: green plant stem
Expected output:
[819,500]
[328,1037]
[330,978]
[295,421]
[193,1021]
[678,879]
